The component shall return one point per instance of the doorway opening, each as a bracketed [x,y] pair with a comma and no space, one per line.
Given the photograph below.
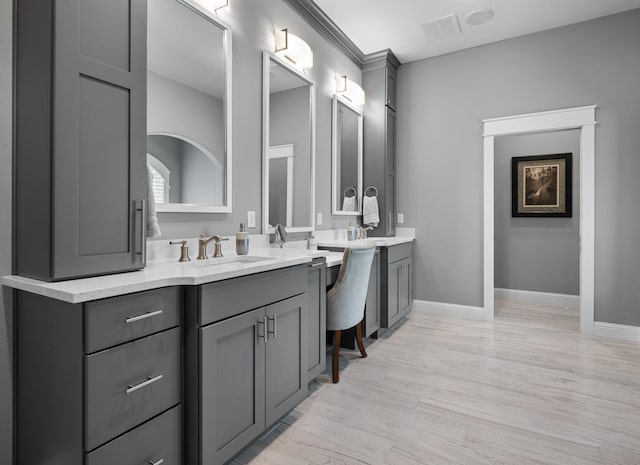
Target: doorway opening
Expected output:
[583,119]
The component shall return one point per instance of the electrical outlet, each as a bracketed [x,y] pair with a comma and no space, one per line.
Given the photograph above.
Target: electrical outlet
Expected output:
[251,219]
[319,221]
[400,218]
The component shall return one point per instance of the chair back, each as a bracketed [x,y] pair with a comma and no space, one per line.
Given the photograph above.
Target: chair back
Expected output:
[347,297]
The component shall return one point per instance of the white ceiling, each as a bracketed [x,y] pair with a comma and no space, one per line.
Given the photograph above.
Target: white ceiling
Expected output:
[375,25]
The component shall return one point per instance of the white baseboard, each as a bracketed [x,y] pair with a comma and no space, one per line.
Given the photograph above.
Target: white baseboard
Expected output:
[627,333]
[440,308]
[545,298]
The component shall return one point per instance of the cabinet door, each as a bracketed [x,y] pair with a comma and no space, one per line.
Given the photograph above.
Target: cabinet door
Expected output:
[372,307]
[232,385]
[391,88]
[99,146]
[393,289]
[317,319]
[404,287]
[390,187]
[287,358]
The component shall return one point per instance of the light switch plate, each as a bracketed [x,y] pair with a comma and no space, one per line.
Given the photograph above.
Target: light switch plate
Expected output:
[251,219]
[400,218]
[319,220]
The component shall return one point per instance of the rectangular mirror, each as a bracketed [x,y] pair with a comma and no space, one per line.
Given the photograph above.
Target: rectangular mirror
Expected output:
[188,107]
[288,166]
[346,158]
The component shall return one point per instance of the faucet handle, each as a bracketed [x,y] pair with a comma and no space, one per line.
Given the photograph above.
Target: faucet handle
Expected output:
[184,250]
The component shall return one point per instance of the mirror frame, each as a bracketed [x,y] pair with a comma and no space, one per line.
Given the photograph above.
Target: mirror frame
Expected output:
[227,106]
[267,57]
[334,158]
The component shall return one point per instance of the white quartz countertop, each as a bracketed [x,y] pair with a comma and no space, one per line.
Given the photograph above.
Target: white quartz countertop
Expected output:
[378,241]
[164,273]
[334,259]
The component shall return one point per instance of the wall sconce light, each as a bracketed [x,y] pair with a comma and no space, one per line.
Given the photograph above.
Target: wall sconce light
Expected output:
[294,50]
[213,5]
[349,90]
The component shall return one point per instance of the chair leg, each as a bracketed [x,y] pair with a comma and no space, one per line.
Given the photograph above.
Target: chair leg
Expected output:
[336,355]
[359,340]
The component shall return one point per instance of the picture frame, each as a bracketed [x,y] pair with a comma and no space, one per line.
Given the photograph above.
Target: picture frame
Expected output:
[541,186]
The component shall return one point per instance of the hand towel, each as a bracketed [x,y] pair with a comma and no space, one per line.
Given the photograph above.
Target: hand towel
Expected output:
[153,230]
[370,212]
[349,204]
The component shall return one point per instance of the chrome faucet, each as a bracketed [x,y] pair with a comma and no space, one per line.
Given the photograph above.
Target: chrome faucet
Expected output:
[281,234]
[202,246]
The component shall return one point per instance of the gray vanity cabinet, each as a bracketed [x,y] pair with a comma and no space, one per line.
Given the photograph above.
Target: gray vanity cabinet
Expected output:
[246,360]
[85,396]
[80,124]
[372,308]
[399,289]
[316,334]
[379,82]
[233,386]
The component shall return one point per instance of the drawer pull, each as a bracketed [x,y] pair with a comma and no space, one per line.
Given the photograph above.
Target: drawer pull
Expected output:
[131,319]
[317,265]
[151,379]
[158,462]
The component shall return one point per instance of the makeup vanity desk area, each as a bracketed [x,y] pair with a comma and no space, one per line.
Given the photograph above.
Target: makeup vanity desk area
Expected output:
[391,282]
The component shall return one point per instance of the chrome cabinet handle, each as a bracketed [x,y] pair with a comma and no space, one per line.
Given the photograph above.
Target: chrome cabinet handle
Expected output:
[150,379]
[275,329]
[151,462]
[131,319]
[142,210]
[264,329]
[316,265]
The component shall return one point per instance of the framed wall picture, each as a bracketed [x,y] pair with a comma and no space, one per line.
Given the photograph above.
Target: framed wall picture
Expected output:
[541,185]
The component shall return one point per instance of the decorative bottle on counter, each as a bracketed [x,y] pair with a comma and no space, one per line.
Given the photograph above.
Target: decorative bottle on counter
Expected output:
[242,241]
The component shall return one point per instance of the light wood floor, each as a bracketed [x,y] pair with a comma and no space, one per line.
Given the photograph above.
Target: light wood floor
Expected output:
[524,389]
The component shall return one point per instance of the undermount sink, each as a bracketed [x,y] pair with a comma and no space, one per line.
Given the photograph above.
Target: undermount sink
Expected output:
[241,259]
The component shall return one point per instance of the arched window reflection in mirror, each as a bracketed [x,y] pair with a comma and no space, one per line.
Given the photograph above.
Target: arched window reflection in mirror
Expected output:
[288,147]
[189,104]
[346,159]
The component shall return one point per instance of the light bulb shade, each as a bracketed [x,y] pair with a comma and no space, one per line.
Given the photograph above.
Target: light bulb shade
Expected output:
[349,90]
[294,50]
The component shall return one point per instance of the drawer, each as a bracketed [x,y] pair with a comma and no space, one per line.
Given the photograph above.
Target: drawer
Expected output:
[224,299]
[400,251]
[113,404]
[158,439]
[112,321]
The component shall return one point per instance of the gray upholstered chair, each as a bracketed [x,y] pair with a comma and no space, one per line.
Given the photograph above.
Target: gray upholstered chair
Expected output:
[346,299]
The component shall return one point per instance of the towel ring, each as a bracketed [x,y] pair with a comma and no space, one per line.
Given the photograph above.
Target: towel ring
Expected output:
[371,187]
[348,189]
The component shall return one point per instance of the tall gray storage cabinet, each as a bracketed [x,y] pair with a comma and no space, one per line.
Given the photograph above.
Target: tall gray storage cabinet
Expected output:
[379,82]
[80,125]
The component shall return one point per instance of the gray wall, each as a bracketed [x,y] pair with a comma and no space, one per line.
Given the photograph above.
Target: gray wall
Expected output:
[536,254]
[441,105]
[6,315]
[254,23]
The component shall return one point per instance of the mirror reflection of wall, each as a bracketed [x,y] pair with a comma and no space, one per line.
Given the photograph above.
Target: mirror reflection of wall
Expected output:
[186,110]
[347,159]
[289,156]
[188,173]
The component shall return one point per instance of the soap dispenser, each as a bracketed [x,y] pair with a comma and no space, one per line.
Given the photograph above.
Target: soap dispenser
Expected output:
[242,241]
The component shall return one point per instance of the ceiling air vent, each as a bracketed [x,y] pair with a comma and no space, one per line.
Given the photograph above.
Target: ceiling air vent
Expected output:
[443,27]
